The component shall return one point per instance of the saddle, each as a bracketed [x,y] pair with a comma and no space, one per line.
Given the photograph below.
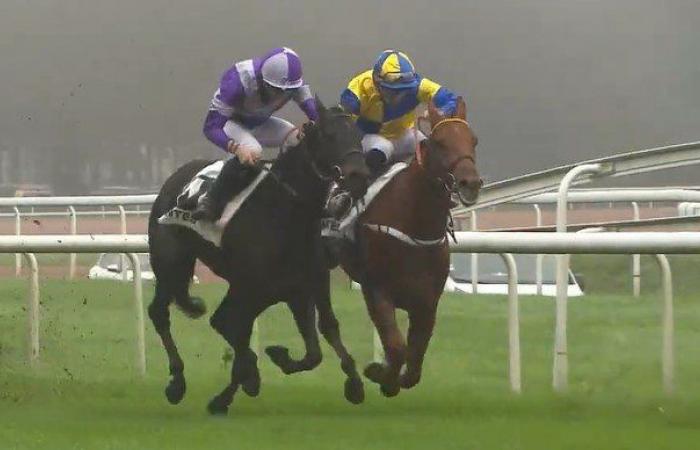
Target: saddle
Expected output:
[344,228]
[181,214]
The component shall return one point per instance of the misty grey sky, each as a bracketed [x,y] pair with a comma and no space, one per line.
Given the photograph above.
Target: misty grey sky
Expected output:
[546,81]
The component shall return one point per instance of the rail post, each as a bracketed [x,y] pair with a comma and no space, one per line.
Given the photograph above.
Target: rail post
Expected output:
[73,231]
[513,324]
[636,266]
[138,309]
[33,308]
[560,368]
[18,233]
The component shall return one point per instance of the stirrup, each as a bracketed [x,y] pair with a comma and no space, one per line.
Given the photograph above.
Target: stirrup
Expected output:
[339,204]
[330,228]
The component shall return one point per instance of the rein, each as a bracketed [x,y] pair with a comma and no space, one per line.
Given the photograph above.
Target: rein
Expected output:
[447,184]
[335,175]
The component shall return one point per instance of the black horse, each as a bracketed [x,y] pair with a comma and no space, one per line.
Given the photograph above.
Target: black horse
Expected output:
[270,251]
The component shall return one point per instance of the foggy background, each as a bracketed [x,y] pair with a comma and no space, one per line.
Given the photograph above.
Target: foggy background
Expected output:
[97,93]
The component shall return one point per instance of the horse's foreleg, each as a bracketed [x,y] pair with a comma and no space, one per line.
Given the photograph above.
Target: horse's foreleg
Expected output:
[330,329]
[160,316]
[304,314]
[234,321]
[420,330]
[383,314]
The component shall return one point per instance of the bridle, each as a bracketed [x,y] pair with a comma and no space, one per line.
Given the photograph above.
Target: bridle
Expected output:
[334,174]
[448,182]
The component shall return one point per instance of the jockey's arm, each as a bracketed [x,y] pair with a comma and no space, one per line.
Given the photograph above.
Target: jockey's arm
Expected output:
[350,97]
[350,103]
[302,96]
[221,109]
[214,129]
[443,99]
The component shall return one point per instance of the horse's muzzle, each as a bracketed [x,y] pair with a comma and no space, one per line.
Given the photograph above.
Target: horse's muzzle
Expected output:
[467,191]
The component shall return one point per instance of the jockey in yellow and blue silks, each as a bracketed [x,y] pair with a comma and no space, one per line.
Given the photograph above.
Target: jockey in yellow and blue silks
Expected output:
[384,101]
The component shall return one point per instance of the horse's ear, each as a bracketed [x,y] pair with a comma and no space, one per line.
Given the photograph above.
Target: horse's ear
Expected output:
[433,114]
[320,107]
[461,111]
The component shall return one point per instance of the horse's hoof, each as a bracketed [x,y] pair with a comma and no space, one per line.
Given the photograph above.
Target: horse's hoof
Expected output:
[280,357]
[354,391]
[390,390]
[375,372]
[193,307]
[175,391]
[408,381]
[251,386]
[217,408]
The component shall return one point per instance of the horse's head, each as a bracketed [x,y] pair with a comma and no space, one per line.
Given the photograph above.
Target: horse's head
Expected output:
[336,150]
[449,155]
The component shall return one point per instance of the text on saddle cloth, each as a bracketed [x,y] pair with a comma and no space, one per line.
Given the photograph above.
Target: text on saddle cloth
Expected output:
[181,214]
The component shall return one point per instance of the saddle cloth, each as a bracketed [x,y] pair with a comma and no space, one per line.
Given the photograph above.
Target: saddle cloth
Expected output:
[346,229]
[181,214]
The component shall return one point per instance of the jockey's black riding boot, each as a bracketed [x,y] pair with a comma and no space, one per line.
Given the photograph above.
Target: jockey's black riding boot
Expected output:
[376,162]
[232,179]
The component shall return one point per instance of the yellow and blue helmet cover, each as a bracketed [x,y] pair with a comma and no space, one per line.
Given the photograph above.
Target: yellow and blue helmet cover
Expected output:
[394,70]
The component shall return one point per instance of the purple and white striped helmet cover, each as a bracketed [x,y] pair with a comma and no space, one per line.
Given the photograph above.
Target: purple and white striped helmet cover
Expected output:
[282,69]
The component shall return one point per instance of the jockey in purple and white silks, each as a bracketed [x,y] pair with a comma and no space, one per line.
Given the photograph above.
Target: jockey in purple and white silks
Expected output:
[240,120]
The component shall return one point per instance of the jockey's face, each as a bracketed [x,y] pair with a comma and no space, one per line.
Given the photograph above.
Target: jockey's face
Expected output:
[272,91]
[392,97]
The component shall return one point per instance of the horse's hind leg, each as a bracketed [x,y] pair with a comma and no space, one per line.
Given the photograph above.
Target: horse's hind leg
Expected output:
[420,330]
[172,282]
[330,329]
[383,314]
[234,321]
[304,313]
[160,316]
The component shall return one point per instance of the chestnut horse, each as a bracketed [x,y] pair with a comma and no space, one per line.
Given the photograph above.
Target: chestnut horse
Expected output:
[401,254]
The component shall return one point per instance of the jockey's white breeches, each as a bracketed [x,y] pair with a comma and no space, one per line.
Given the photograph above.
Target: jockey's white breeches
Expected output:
[395,150]
[270,133]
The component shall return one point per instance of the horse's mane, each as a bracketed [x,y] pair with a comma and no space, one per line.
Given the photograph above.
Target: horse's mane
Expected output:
[286,151]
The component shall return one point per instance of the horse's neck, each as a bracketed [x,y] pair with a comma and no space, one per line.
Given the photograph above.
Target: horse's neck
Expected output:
[294,169]
[433,204]
[416,207]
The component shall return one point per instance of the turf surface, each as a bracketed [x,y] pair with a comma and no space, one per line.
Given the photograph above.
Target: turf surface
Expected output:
[84,393]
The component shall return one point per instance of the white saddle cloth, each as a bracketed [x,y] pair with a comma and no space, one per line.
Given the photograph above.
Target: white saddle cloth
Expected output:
[211,231]
[346,227]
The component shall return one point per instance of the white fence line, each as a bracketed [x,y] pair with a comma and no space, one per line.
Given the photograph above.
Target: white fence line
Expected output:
[29,245]
[70,203]
[682,242]
[660,194]
[592,243]
[630,163]
[129,212]
[689,209]
[476,242]
[81,200]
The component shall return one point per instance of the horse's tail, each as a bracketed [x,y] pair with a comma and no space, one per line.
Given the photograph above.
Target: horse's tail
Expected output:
[171,253]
